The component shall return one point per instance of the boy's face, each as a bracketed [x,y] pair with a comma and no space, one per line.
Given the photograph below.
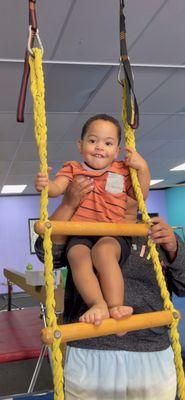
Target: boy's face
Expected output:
[100,144]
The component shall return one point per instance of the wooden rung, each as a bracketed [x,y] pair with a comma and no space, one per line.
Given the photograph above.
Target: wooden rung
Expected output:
[92,228]
[80,330]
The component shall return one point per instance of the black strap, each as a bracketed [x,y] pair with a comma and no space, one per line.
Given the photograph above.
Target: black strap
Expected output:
[26,71]
[124,59]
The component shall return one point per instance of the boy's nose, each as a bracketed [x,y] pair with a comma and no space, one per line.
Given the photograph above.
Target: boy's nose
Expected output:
[99,146]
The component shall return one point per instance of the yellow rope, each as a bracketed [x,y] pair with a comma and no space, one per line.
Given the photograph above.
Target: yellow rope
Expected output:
[38,93]
[130,142]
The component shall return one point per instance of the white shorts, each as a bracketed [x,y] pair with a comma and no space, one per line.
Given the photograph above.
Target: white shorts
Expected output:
[119,375]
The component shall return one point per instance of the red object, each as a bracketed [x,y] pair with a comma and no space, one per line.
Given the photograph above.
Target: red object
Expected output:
[20,334]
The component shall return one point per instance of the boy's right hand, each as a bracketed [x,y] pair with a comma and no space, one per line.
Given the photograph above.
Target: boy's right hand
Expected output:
[42,180]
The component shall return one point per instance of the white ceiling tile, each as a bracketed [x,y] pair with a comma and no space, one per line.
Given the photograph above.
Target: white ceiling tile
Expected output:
[57,126]
[92,33]
[173,128]
[4,165]
[148,146]
[62,151]
[19,179]
[50,20]
[68,87]
[108,97]
[27,152]
[10,129]
[25,168]
[147,123]
[7,150]
[168,149]
[10,82]
[163,40]
[165,164]
[170,96]
[145,11]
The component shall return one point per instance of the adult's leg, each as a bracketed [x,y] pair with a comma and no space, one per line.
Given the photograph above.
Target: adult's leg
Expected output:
[87,284]
[58,252]
[106,254]
[119,375]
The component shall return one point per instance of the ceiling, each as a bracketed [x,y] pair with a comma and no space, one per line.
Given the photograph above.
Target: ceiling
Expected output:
[81,54]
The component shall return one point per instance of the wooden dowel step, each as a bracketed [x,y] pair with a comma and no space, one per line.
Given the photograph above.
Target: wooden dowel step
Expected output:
[92,228]
[80,330]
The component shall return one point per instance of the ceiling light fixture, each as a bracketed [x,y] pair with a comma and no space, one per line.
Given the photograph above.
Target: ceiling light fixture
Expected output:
[12,189]
[155,181]
[180,167]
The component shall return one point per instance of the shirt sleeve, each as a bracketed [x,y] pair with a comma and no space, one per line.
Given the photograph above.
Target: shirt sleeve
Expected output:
[67,171]
[175,271]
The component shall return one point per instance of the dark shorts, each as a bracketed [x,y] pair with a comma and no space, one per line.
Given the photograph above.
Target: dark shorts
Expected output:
[89,241]
[59,251]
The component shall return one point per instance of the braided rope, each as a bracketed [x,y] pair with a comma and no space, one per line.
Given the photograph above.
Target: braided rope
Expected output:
[168,305]
[38,93]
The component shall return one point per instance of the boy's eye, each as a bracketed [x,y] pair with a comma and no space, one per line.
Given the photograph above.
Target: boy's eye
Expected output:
[92,140]
[109,143]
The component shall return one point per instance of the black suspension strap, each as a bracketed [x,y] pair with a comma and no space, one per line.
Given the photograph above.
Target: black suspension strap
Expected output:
[132,108]
[32,33]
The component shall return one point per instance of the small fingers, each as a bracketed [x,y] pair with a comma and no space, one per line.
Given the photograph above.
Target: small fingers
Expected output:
[41,181]
[129,150]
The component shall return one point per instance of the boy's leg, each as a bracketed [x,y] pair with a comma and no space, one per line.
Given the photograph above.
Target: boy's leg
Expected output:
[87,284]
[106,254]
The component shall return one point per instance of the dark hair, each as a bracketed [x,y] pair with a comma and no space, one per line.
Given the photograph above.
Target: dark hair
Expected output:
[103,117]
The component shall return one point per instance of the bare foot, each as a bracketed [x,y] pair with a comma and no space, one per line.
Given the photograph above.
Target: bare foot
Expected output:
[95,314]
[119,312]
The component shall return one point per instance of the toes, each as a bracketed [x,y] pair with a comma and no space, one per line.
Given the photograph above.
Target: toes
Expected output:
[120,311]
[127,310]
[82,318]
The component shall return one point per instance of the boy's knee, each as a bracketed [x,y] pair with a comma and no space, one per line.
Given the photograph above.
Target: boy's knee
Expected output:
[105,247]
[77,252]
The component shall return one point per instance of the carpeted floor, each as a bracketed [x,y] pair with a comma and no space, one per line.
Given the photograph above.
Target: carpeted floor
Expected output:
[15,377]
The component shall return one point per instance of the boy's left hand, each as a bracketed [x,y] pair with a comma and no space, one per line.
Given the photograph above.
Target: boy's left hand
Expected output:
[134,160]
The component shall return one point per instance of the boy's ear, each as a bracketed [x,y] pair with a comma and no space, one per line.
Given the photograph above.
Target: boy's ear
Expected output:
[79,145]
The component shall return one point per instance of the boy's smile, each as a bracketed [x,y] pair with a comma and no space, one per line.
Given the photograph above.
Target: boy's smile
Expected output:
[100,144]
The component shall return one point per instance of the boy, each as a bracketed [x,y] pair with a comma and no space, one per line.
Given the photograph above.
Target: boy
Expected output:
[103,288]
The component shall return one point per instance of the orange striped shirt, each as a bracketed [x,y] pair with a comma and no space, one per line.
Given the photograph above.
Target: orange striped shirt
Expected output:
[101,204]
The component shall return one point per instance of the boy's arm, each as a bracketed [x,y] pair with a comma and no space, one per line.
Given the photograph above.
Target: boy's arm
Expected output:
[144,178]
[134,160]
[55,187]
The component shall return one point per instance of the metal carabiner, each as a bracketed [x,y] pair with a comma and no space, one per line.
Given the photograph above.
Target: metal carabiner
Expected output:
[35,35]
[120,71]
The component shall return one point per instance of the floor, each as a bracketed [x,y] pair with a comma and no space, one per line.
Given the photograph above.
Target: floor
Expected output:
[15,377]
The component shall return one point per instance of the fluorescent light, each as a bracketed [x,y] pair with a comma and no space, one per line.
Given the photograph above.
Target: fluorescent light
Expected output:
[155,181]
[11,189]
[180,167]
